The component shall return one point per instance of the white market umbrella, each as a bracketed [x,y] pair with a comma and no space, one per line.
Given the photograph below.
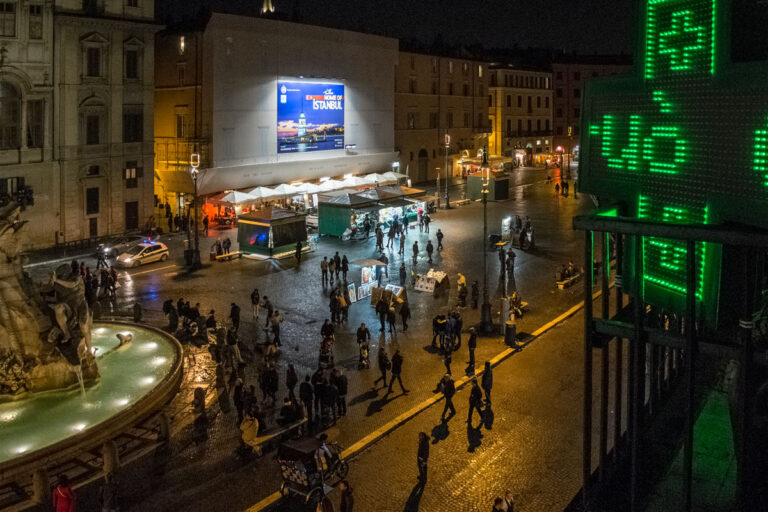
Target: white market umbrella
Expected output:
[311,188]
[392,175]
[261,192]
[376,178]
[355,181]
[237,197]
[284,190]
[331,185]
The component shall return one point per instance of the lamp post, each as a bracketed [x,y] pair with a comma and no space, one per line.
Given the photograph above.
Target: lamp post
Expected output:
[486,324]
[561,150]
[194,161]
[447,145]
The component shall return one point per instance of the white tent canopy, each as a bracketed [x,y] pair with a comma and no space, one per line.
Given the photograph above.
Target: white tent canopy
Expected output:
[331,185]
[377,178]
[237,197]
[355,181]
[392,175]
[261,192]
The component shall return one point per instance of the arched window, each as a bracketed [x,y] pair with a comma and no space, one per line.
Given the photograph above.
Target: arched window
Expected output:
[10,116]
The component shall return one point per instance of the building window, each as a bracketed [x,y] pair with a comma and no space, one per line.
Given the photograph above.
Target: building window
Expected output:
[519,102]
[10,112]
[413,63]
[92,129]
[529,127]
[577,93]
[434,119]
[509,127]
[519,126]
[465,68]
[434,153]
[412,86]
[509,100]
[131,3]
[411,156]
[538,101]
[9,187]
[181,126]
[450,89]
[546,125]
[490,100]
[538,126]
[546,102]
[559,75]
[7,19]
[132,64]
[133,127]
[530,104]
[93,170]
[132,173]
[559,113]
[450,66]
[93,62]
[434,70]
[35,116]
[434,86]
[182,45]
[577,76]
[559,92]
[577,113]
[181,69]
[466,90]
[450,119]
[92,201]
[467,120]
[480,71]
[35,21]
[411,120]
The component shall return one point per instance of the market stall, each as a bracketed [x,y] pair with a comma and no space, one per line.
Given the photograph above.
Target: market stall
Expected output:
[348,211]
[271,232]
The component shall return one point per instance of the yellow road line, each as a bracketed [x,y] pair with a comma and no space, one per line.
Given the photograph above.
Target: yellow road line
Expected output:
[413,411]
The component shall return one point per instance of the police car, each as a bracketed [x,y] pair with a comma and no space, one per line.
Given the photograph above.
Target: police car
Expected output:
[143,253]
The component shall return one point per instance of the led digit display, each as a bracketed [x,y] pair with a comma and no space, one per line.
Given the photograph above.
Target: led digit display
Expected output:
[684,140]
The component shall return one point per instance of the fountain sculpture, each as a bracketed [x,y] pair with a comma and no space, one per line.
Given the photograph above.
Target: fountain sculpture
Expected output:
[45,338]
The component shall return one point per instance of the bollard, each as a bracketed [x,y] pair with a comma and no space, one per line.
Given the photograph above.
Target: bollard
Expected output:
[110,457]
[41,487]
[510,333]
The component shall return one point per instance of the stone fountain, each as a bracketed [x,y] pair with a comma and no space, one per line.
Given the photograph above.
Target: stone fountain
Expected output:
[45,340]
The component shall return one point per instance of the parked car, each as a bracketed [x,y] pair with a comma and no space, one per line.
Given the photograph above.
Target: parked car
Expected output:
[143,253]
[113,247]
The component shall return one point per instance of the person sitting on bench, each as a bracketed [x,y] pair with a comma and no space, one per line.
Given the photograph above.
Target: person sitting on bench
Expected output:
[516,305]
[563,275]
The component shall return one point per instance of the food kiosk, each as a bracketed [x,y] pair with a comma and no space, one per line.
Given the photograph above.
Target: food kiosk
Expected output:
[271,232]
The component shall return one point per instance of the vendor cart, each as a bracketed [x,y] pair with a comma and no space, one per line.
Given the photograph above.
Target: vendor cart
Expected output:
[306,465]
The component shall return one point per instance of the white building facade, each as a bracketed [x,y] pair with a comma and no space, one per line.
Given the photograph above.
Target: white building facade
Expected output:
[244,59]
[76,87]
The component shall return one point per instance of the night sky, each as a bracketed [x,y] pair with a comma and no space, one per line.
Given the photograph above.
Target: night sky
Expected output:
[584,26]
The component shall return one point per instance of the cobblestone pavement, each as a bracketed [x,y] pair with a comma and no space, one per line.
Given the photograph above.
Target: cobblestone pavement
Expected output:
[207,475]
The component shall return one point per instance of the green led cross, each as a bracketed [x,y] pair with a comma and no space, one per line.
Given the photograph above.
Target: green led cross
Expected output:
[682,40]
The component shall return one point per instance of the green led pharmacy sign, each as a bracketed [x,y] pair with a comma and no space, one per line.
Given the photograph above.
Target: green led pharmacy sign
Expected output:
[684,140]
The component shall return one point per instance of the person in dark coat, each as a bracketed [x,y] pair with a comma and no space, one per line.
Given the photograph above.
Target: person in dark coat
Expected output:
[391,318]
[487,381]
[384,366]
[291,379]
[439,237]
[430,250]
[405,314]
[306,395]
[448,389]
[331,398]
[447,358]
[475,401]
[344,267]
[381,310]
[237,398]
[317,384]
[347,500]
[298,252]
[403,274]
[472,345]
[342,385]
[337,261]
[422,456]
[234,315]
[327,330]
[397,369]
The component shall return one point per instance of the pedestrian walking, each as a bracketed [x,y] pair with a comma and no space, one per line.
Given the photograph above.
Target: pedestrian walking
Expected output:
[234,316]
[269,309]
[347,501]
[430,250]
[397,370]
[337,263]
[415,251]
[422,456]
[391,318]
[509,501]
[447,360]
[306,395]
[439,236]
[379,239]
[291,379]
[275,321]
[402,243]
[421,221]
[384,366]
[255,299]
[108,494]
[472,345]
[475,401]
[448,388]
[298,252]
[391,236]
[487,381]
[403,274]
[331,269]
[344,267]
[324,269]
[343,387]
[383,258]
[405,314]
[63,495]
[557,189]
[237,399]
[427,220]
[381,310]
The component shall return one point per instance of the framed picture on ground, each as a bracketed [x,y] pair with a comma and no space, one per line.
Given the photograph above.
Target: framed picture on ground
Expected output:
[351,289]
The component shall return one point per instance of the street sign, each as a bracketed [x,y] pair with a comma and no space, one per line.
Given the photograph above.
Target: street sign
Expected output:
[684,140]
[447,140]
[570,131]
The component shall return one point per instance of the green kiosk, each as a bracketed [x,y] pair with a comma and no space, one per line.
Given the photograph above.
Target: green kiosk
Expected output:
[271,232]
[336,215]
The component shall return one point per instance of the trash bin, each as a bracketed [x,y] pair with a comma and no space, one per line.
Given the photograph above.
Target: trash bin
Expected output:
[212,255]
[510,333]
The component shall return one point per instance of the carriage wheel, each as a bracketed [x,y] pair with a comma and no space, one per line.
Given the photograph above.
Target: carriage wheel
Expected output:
[342,470]
[316,496]
[284,490]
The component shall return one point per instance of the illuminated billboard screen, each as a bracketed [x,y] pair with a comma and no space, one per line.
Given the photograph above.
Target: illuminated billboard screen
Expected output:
[310,116]
[684,140]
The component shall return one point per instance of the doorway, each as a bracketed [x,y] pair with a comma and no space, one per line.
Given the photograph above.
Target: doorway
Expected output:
[421,173]
[131,215]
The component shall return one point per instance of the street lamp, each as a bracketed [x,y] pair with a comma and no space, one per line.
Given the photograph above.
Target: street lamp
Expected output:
[447,145]
[194,161]
[486,324]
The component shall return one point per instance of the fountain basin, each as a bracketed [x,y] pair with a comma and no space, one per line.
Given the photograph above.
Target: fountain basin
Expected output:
[136,380]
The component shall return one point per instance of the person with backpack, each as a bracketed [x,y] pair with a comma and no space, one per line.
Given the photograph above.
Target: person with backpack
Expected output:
[384,366]
[448,388]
